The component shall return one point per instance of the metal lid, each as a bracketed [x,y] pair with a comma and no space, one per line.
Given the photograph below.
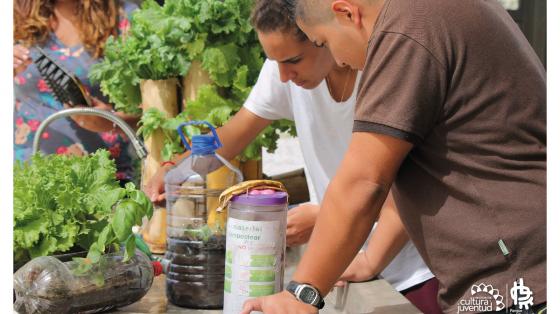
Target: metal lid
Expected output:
[270,198]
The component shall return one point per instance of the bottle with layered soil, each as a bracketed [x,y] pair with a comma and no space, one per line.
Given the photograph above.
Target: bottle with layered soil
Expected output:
[195,256]
[47,285]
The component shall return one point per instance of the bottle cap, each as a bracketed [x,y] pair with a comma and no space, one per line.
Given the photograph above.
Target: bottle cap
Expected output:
[261,198]
[158,269]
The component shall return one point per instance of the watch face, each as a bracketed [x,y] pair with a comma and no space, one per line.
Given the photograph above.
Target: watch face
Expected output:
[308,295]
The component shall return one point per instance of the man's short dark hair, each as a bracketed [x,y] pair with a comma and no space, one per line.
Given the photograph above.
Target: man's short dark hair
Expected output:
[313,12]
[276,15]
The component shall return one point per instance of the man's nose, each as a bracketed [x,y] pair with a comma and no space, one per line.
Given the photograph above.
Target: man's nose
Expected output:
[341,64]
[286,74]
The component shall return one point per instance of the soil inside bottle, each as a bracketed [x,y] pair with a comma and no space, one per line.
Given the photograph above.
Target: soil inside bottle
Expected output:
[195,278]
[122,284]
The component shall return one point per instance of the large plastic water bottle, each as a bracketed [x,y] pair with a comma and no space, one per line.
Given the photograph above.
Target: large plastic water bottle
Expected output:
[195,252]
[256,247]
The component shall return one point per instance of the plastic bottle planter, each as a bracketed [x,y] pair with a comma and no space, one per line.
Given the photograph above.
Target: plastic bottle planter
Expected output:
[256,247]
[47,285]
[196,252]
[195,232]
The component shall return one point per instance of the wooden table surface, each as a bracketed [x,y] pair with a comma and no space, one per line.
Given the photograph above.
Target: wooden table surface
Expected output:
[375,297]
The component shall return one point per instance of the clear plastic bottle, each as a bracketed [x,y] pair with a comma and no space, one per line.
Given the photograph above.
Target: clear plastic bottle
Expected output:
[47,285]
[195,255]
[256,247]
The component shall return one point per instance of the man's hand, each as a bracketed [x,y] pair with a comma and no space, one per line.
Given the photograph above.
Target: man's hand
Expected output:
[301,221]
[359,270]
[282,302]
[155,188]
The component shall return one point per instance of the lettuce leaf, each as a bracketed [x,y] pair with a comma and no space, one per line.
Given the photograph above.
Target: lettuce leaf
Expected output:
[62,202]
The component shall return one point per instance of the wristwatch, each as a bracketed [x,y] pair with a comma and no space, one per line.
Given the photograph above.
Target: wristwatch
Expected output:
[306,293]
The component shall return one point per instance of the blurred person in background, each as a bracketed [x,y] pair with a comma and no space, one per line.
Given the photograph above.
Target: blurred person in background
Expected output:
[74,34]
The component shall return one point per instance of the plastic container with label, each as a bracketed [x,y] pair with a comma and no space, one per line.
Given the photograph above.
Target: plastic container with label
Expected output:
[255,247]
[195,255]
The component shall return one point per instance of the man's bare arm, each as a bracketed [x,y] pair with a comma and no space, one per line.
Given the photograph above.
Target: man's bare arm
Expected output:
[351,205]
[386,242]
[235,135]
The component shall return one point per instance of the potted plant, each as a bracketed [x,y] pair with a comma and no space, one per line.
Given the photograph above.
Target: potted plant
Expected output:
[64,203]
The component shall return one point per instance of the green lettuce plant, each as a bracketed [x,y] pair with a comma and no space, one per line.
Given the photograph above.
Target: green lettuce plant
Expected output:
[164,41]
[63,202]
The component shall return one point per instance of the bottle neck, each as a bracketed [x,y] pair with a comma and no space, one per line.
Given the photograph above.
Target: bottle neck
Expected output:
[204,145]
[202,153]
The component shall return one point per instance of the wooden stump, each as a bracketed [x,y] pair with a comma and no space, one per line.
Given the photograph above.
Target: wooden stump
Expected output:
[162,95]
[196,78]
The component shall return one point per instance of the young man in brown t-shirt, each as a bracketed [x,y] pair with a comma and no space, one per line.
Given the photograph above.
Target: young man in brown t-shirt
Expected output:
[451,112]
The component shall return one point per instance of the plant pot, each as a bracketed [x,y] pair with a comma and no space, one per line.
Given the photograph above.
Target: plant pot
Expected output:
[63,257]
[154,232]
[47,285]
[196,272]
[162,95]
[195,78]
[252,169]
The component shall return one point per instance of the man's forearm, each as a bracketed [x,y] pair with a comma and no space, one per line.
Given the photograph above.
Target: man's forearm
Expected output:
[239,132]
[388,239]
[345,220]
[235,135]
[351,205]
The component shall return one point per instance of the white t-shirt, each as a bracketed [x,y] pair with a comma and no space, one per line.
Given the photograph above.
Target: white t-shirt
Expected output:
[324,128]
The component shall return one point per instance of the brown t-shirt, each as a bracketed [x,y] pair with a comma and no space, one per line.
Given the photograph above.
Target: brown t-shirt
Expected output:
[458,79]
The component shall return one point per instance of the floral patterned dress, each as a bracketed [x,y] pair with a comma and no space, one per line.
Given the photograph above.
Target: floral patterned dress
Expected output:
[34,102]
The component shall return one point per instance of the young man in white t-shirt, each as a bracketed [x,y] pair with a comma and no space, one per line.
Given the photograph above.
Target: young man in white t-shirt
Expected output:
[301,82]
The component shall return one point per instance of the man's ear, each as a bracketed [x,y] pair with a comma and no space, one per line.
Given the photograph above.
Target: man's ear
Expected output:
[346,12]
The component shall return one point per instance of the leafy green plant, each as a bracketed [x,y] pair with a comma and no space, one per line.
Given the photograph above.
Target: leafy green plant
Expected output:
[153,120]
[164,41]
[61,202]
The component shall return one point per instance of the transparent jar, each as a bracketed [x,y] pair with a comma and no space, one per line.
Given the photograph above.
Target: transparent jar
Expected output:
[47,285]
[255,247]
[195,254]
